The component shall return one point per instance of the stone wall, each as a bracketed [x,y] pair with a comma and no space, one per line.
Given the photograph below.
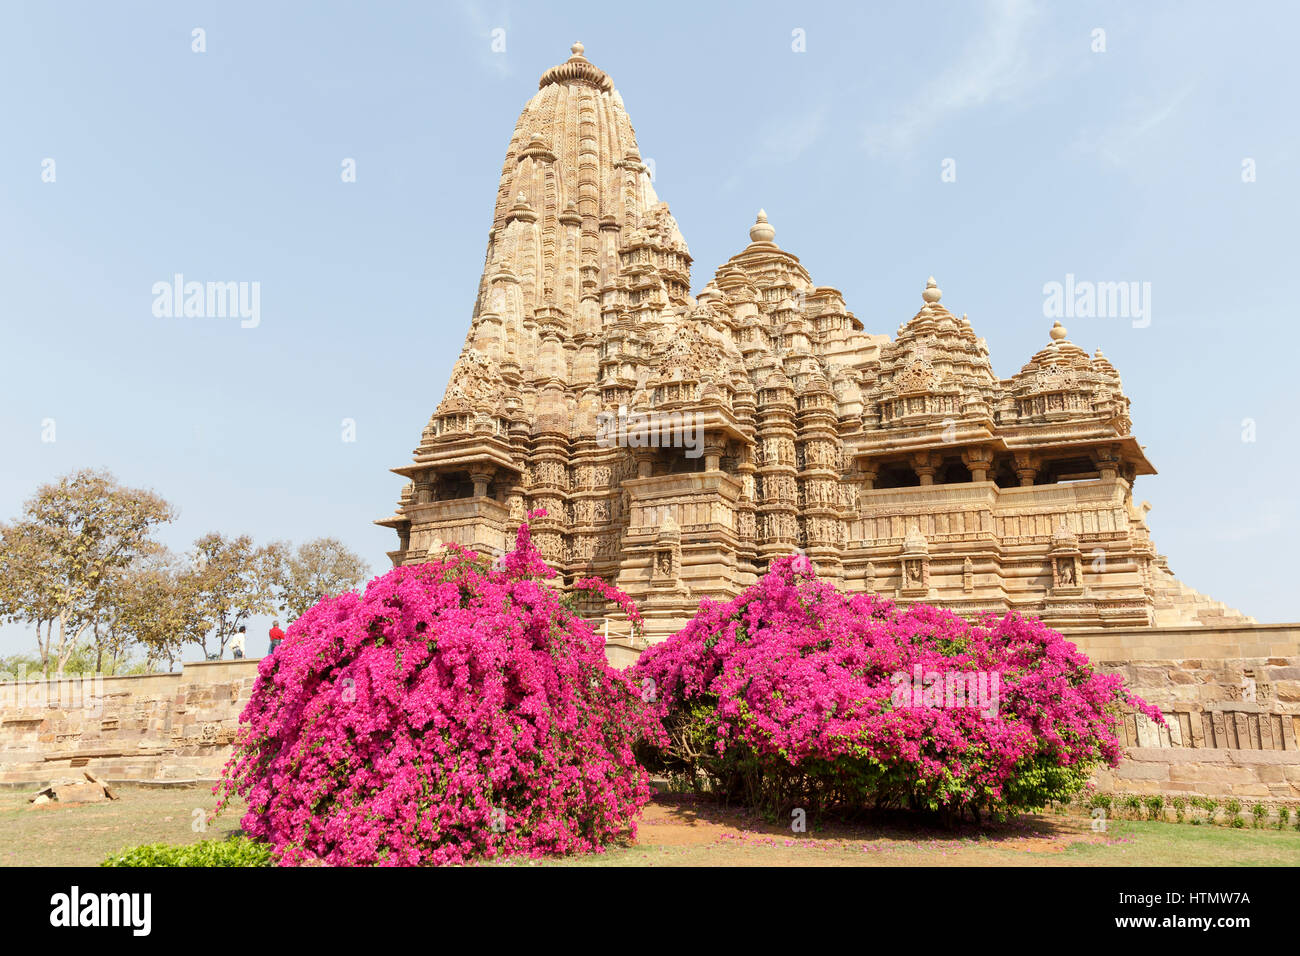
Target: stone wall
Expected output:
[155,727]
[1231,694]
[1231,697]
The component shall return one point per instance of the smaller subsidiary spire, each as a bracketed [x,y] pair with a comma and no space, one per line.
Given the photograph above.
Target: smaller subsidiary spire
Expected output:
[762,230]
[522,209]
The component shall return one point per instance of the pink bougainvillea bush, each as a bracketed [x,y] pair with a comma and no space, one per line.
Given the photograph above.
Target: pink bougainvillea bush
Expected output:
[452,712]
[794,694]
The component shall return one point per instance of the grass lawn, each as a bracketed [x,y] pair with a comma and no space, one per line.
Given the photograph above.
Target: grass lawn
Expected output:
[83,834]
[681,832]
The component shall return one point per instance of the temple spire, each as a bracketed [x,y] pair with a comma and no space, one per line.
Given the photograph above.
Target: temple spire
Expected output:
[761,230]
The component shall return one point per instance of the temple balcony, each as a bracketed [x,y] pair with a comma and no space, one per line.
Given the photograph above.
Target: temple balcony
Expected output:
[475,523]
[697,502]
[973,510]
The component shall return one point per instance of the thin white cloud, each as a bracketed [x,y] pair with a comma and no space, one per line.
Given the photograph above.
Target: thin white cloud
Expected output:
[996,65]
[1127,140]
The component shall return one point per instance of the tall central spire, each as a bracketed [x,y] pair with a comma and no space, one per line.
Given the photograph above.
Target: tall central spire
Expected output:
[572,183]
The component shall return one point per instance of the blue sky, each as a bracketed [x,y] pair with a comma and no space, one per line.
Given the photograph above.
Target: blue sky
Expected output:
[1122,165]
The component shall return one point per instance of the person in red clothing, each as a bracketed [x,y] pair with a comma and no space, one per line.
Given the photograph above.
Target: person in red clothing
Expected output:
[277,636]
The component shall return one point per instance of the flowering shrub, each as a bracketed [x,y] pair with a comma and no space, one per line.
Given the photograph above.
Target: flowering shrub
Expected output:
[451,712]
[794,694]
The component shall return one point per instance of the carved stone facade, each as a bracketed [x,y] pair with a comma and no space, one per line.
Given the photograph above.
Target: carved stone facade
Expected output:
[904,465]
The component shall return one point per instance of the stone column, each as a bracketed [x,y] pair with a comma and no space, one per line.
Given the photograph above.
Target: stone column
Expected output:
[979,460]
[1107,461]
[481,476]
[712,456]
[1026,469]
[869,470]
[926,464]
[644,464]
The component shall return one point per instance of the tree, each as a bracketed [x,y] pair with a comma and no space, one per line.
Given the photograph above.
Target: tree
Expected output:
[151,607]
[320,568]
[27,584]
[18,667]
[75,534]
[228,581]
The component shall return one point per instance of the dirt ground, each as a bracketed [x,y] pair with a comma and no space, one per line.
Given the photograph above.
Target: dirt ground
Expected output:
[680,831]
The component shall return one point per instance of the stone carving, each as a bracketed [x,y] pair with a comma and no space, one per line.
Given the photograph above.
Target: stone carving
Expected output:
[1066,561]
[915,564]
[1065,571]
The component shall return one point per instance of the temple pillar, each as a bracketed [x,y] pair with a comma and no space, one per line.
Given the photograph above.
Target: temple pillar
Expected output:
[1107,462]
[869,470]
[481,477]
[1026,469]
[925,464]
[979,460]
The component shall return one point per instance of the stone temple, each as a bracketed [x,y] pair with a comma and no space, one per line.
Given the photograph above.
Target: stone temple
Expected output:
[678,443]
[902,465]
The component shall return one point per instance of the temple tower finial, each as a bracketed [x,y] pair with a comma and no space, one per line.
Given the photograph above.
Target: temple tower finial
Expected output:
[762,230]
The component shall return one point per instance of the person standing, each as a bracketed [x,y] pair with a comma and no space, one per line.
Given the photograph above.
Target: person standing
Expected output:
[276,635]
[237,643]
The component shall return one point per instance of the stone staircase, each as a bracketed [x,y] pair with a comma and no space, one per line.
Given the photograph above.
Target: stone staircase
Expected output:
[1177,605]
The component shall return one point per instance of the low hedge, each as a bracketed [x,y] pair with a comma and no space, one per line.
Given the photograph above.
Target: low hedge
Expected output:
[233,851]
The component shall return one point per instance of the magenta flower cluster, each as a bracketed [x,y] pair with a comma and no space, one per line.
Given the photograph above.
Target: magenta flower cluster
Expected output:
[790,694]
[450,713]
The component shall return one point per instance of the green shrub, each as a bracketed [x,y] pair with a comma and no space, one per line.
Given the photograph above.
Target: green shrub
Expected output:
[1180,808]
[1208,804]
[1155,807]
[234,851]
[1100,800]
[1259,812]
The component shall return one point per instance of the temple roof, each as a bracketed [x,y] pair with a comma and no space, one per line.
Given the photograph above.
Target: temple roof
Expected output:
[584,305]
